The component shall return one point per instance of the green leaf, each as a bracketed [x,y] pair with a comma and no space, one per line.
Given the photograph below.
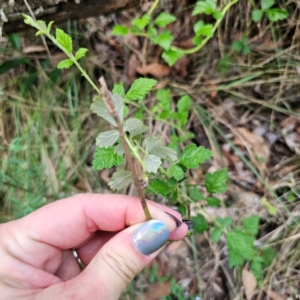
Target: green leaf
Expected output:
[120,30]
[205,7]
[99,108]
[171,56]
[107,138]
[192,156]
[218,15]
[50,25]
[237,46]
[10,64]
[276,14]
[216,234]
[105,158]
[15,40]
[176,172]
[201,224]
[268,255]
[157,186]
[118,89]
[240,246]
[223,222]
[152,163]
[196,194]
[120,180]
[183,209]
[64,40]
[256,269]
[201,29]
[183,104]
[272,210]
[257,15]
[65,64]
[164,40]
[265,4]
[81,53]
[212,201]
[164,19]
[135,127]
[151,142]
[216,182]
[164,152]
[142,22]
[140,88]
[197,40]
[251,224]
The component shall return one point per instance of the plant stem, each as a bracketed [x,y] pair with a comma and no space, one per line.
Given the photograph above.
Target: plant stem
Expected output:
[153,7]
[198,47]
[131,164]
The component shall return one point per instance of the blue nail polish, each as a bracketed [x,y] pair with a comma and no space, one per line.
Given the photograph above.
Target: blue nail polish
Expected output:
[150,236]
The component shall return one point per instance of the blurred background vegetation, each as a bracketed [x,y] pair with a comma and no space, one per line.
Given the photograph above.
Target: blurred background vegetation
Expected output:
[245,84]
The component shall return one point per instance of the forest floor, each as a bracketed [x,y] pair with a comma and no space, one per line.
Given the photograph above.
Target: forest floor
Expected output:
[245,82]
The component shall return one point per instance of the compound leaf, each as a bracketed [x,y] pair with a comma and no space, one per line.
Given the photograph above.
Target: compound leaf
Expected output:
[223,222]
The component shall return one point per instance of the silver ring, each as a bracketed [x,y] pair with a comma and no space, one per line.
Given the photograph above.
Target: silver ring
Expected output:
[79,261]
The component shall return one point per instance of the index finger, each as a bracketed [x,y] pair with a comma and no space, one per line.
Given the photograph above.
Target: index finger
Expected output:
[67,223]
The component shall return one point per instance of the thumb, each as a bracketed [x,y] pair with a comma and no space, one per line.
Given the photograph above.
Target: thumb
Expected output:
[123,257]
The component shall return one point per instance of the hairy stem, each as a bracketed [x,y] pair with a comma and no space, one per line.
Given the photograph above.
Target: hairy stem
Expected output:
[131,164]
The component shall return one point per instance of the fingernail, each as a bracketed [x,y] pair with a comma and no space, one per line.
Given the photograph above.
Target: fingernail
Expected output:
[190,224]
[151,236]
[178,223]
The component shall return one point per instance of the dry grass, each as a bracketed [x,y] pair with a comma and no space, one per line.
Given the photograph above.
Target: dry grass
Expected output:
[246,110]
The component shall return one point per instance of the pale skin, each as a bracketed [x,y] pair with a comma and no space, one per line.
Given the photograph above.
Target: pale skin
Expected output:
[35,257]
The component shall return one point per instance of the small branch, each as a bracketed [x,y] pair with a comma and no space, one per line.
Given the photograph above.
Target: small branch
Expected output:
[134,170]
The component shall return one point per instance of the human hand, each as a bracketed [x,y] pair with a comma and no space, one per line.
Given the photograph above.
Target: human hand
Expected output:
[108,234]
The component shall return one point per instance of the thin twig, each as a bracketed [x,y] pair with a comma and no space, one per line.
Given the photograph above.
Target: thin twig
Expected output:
[134,170]
[42,37]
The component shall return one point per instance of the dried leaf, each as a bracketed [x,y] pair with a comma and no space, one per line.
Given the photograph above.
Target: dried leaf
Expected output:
[249,283]
[157,70]
[275,296]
